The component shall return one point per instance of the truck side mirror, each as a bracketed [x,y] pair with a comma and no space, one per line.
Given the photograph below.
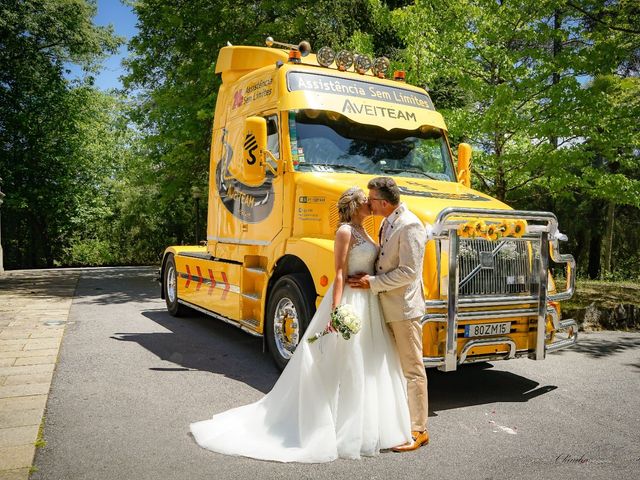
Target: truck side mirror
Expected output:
[253,165]
[464,164]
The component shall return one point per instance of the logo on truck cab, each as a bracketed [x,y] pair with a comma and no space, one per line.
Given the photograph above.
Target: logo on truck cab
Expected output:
[249,204]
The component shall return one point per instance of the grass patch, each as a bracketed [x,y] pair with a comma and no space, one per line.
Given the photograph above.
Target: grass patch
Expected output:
[40,441]
[604,294]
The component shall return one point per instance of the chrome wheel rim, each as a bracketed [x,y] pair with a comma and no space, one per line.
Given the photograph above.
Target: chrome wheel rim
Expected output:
[286,328]
[172,284]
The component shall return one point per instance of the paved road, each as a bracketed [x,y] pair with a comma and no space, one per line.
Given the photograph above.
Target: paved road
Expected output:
[131,378]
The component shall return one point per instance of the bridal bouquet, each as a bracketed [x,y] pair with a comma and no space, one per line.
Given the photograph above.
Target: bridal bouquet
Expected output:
[344,320]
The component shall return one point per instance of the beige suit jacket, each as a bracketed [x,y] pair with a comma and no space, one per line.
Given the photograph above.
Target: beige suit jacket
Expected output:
[398,277]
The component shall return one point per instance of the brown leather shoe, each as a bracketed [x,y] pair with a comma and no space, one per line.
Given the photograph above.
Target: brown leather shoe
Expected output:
[419,439]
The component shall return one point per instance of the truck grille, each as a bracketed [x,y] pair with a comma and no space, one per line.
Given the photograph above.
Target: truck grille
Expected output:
[498,268]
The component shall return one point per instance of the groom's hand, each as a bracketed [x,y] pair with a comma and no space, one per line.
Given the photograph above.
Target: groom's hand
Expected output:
[360,280]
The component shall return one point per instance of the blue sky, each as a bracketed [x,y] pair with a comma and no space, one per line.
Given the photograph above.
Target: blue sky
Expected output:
[124,22]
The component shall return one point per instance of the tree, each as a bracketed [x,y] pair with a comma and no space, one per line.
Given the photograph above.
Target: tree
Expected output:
[38,112]
[546,124]
[172,72]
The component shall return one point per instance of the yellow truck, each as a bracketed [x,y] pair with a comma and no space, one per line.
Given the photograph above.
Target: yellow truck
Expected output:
[292,131]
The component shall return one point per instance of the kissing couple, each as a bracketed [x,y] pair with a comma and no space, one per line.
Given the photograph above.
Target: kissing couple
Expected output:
[340,398]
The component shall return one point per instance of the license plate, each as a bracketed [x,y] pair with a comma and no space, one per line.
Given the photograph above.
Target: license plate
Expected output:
[487,329]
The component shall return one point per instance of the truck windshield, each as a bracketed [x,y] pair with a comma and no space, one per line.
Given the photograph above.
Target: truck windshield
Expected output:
[328,141]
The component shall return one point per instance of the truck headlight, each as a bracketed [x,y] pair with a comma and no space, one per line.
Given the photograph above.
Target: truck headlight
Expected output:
[380,66]
[325,56]
[362,63]
[344,60]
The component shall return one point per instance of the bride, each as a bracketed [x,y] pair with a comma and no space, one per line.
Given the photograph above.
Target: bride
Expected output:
[336,397]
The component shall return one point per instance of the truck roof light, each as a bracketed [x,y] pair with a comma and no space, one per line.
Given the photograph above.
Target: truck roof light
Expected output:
[362,63]
[399,75]
[344,60]
[326,56]
[380,66]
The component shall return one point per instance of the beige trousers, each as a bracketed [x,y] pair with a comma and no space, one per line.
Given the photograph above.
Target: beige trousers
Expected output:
[408,338]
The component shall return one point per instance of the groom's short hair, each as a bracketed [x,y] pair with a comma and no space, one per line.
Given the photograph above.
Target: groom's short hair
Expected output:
[387,188]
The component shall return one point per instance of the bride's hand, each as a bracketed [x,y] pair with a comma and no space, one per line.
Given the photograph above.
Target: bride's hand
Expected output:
[329,327]
[361,280]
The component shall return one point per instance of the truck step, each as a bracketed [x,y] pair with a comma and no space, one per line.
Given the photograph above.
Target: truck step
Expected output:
[250,321]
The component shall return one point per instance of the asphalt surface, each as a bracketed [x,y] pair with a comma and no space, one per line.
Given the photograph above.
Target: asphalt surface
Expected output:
[130,379]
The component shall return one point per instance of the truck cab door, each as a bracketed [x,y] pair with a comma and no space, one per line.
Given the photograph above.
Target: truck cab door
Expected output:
[253,213]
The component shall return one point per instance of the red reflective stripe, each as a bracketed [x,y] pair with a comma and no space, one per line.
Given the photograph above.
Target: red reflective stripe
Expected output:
[226,285]
[186,285]
[200,279]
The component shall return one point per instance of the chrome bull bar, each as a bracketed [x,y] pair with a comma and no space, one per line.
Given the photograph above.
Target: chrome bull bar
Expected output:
[542,228]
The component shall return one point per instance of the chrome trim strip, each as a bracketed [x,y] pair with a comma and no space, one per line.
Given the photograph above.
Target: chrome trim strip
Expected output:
[218,286]
[542,303]
[256,269]
[481,315]
[565,342]
[251,296]
[433,361]
[550,218]
[433,318]
[553,313]
[219,317]
[483,342]
[570,284]
[239,241]
[478,301]
[450,357]
[201,255]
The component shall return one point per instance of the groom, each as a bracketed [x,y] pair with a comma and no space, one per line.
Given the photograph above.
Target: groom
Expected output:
[398,283]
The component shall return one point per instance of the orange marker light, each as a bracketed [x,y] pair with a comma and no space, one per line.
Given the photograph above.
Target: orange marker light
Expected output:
[324,281]
[294,56]
[399,75]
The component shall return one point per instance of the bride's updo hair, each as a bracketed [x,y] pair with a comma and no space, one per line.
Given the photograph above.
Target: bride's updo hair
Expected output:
[349,202]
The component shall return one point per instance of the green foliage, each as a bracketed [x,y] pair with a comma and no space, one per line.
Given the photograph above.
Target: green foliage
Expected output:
[547,92]
[171,69]
[45,158]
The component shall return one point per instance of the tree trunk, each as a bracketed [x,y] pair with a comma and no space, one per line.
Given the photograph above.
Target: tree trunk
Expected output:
[595,247]
[608,243]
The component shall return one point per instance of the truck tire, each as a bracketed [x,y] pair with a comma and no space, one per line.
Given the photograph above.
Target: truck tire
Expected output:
[290,308]
[170,285]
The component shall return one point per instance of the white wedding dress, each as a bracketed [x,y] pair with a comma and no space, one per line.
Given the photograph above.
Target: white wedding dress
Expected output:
[336,397]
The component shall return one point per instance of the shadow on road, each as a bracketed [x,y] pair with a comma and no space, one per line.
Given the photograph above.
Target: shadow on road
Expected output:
[479,384]
[39,283]
[601,347]
[196,342]
[101,285]
[199,343]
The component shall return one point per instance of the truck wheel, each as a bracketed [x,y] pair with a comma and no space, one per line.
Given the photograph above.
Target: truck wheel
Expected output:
[170,285]
[289,311]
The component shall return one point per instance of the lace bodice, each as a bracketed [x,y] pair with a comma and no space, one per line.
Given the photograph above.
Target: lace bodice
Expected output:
[362,253]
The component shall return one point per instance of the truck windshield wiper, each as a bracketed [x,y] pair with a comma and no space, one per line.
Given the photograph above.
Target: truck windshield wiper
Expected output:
[339,165]
[410,170]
